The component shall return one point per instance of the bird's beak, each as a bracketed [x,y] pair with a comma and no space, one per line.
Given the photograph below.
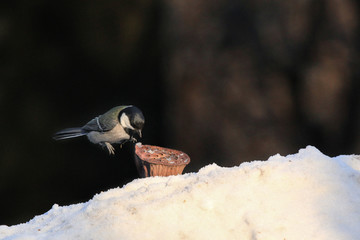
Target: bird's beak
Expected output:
[139,132]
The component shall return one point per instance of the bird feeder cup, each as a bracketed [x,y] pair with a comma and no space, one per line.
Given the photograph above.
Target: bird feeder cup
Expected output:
[159,161]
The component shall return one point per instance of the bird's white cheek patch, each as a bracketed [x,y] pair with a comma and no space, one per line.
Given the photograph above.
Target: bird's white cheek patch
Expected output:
[125,121]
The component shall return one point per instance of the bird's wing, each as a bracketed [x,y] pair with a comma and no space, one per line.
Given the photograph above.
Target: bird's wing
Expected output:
[105,122]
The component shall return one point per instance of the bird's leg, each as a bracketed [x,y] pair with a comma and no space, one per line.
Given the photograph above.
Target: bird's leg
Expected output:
[122,142]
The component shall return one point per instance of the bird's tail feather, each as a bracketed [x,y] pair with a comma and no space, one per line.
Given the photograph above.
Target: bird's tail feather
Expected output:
[68,133]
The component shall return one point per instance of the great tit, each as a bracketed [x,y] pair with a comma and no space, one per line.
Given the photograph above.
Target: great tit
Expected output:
[118,125]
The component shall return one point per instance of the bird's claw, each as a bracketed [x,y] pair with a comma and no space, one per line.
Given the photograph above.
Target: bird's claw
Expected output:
[110,148]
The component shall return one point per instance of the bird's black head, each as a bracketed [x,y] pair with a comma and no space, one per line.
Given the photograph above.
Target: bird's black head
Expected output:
[132,120]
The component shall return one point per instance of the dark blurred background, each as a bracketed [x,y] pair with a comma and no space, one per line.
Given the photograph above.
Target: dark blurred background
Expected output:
[224,81]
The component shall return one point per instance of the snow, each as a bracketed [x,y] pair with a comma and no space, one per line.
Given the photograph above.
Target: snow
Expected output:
[307,195]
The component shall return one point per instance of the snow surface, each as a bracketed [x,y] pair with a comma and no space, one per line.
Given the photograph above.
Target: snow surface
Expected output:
[307,195]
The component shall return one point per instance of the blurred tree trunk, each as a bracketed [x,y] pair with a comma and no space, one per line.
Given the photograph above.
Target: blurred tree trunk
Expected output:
[248,79]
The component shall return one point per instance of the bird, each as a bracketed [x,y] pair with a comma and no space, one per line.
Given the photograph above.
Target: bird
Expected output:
[116,126]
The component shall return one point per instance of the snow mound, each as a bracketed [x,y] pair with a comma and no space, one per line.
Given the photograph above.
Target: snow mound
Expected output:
[307,195]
